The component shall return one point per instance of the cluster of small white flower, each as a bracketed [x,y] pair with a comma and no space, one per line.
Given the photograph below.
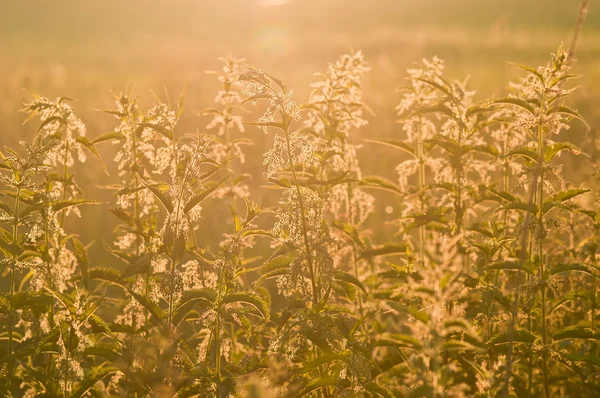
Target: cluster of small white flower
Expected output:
[335,107]
[59,125]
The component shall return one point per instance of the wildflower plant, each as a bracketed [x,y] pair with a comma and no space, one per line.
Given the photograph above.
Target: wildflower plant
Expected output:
[486,287]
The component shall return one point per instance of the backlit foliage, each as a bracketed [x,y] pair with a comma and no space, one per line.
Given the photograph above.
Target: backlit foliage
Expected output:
[486,285]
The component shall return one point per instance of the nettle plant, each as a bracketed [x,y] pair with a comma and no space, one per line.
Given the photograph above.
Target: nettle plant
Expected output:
[317,345]
[485,286]
[49,344]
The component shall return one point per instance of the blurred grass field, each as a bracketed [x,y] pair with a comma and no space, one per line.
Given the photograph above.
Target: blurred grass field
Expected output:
[86,49]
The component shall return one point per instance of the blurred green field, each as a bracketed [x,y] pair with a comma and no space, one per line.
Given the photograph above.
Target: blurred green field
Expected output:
[86,49]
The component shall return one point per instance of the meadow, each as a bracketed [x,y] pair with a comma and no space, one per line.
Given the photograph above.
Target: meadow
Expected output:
[387,198]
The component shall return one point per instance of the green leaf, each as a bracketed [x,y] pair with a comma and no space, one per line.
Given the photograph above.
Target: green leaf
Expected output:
[90,147]
[514,101]
[190,299]
[526,152]
[436,85]
[576,332]
[557,199]
[237,221]
[112,136]
[181,102]
[569,296]
[518,205]
[399,339]
[565,110]
[381,183]
[573,267]
[153,309]
[350,231]
[316,384]
[475,109]
[155,189]
[516,336]
[105,274]
[82,259]
[47,122]
[320,361]
[432,215]
[510,266]
[556,147]
[390,249]
[95,375]
[568,194]
[249,298]
[66,301]
[449,145]
[266,124]
[254,231]
[98,325]
[397,144]
[159,129]
[529,69]
[345,277]
[209,188]
[38,301]
[487,149]
[106,352]
[63,204]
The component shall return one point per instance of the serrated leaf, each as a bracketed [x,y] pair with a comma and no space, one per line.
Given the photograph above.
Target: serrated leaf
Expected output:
[526,152]
[83,140]
[510,266]
[390,249]
[254,232]
[565,110]
[209,188]
[572,267]
[111,136]
[63,204]
[249,298]
[316,384]
[350,231]
[576,332]
[396,144]
[95,375]
[514,101]
[109,275]
[155,189]
[555,148]
[516,336]
[381,183]
[345,277]
[237,221]
[191,299]
[82,259]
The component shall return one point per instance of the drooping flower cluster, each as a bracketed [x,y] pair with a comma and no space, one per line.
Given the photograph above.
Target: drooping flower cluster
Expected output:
[64,136]
[225,147]
[336,107]
[59,124]
[488,288]
[134,143]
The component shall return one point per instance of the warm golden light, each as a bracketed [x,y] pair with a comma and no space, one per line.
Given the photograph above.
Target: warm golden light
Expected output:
[310,198]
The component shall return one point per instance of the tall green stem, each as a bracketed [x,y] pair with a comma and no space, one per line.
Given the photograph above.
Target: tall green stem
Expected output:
[12,284]
[542,276]
[421,158]
[307,249]
[67,348]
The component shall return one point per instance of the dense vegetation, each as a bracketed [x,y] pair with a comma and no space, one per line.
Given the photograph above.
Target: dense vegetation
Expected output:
[486,288]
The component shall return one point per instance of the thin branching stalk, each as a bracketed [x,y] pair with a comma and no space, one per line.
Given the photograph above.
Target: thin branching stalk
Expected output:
[12,281]
[307,248]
